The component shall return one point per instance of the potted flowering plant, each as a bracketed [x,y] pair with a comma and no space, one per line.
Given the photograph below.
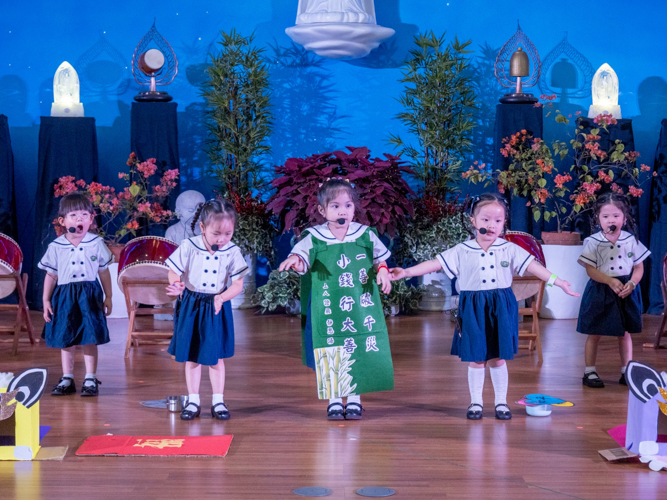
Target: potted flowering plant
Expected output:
[532,174]
[126,211]
[383,193]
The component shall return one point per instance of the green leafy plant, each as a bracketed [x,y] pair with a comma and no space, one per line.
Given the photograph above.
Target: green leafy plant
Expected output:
[255,226]
[439,102]
[238,98]
[282,289]
[437,226]
[407,298]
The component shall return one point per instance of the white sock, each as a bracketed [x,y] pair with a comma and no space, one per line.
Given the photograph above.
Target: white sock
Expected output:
[354,399]
[194,399]
[89,383]
[623,370]
[217,398]
[66,383]
[476,384]
[500,379]
[590,369]
[336,400]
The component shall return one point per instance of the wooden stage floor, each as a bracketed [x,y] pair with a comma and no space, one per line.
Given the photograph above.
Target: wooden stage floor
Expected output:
[414,439]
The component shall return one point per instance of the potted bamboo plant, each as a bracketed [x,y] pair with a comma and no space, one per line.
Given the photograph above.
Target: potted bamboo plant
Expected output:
[237,94]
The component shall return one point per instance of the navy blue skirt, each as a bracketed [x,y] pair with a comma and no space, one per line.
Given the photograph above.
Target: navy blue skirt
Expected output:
[78,316]
[602,312]
[200,335]
[488,325]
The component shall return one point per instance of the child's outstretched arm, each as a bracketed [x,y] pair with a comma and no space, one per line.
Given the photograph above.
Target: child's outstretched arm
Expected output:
[637,275]
[175,287]
[430,266]
[293,262]
[537,269]
[50,282]
[105,279]
[600,277]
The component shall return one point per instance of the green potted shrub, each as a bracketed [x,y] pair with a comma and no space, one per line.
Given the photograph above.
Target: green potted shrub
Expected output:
[281,290]
[403,298]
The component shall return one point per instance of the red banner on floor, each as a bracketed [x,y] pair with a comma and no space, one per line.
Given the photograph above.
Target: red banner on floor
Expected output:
[189,446]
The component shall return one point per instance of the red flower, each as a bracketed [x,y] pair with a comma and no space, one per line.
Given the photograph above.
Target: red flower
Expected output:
[634,191]
[645,168]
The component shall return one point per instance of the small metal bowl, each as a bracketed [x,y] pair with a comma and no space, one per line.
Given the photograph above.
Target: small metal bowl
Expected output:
[176,403]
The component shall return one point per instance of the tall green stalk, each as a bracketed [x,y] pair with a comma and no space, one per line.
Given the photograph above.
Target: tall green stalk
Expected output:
[439,101]
[238,97]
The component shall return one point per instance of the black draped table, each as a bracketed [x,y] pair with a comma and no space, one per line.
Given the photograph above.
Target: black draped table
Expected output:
[658,222]
[510,119]
[7,198]
[67,146]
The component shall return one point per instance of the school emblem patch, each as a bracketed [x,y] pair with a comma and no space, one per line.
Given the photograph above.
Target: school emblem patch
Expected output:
[93,258]
[630,254]
[504,263]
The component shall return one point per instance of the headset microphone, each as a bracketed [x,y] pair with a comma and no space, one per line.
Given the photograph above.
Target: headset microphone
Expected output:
[341,221]
[214,248]
[612,228]
[482,230]
[71,230]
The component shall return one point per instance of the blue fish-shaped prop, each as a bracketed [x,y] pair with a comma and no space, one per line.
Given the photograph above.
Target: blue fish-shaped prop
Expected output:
[543,399]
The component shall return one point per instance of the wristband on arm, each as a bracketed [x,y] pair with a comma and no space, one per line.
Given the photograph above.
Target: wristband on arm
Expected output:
[383,266]
[552,280]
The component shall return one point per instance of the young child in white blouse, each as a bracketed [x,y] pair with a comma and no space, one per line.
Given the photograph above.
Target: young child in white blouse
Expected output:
[612,301]
[74,307]
[488,332]
[205,273]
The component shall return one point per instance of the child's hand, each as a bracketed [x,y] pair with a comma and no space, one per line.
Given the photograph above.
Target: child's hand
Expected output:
[627,290]
[175,289]
[108,304]
[217,302]
[565,286]
[397,273]
[292,262]
[48,311]
[615,285]
[384,280]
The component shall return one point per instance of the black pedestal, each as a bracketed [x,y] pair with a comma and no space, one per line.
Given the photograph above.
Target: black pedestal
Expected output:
[67,146]
[7,199]
[510,119]
[658,223]
[154,134]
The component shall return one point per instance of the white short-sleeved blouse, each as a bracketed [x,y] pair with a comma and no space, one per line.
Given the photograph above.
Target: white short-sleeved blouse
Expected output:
[613,259]
[205,272]
[479,269]
[73,264]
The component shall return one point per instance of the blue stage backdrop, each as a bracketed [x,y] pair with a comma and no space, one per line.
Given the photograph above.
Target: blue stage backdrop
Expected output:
[319,104]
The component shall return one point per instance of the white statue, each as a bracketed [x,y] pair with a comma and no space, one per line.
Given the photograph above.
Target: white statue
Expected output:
[338,29]
[335,11]
[66,92]
[186,206]
[605,93]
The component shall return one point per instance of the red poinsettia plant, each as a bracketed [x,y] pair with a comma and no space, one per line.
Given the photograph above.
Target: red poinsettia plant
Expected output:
[255,227]
[138,203]
[383,192]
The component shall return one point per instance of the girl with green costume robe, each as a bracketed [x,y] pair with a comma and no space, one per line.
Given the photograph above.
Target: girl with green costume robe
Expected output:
[344,335]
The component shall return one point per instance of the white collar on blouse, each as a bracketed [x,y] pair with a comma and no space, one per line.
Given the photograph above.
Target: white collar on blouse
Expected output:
[474,245]
[624,237]
[86,241]
[198,243]
[322,232]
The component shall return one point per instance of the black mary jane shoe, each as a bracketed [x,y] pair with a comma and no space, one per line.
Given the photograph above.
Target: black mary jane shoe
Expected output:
[353,411]
[335,411]
[503,412]
[622,380]
[595,383]
[189,414]
[220,414]
[64,390]
[473,412]
[90,391]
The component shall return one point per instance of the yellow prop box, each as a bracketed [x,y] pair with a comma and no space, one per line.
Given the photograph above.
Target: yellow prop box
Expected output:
[22,428]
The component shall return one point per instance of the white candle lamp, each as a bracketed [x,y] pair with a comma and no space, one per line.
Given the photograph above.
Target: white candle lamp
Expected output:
[605,93]
[66,92]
